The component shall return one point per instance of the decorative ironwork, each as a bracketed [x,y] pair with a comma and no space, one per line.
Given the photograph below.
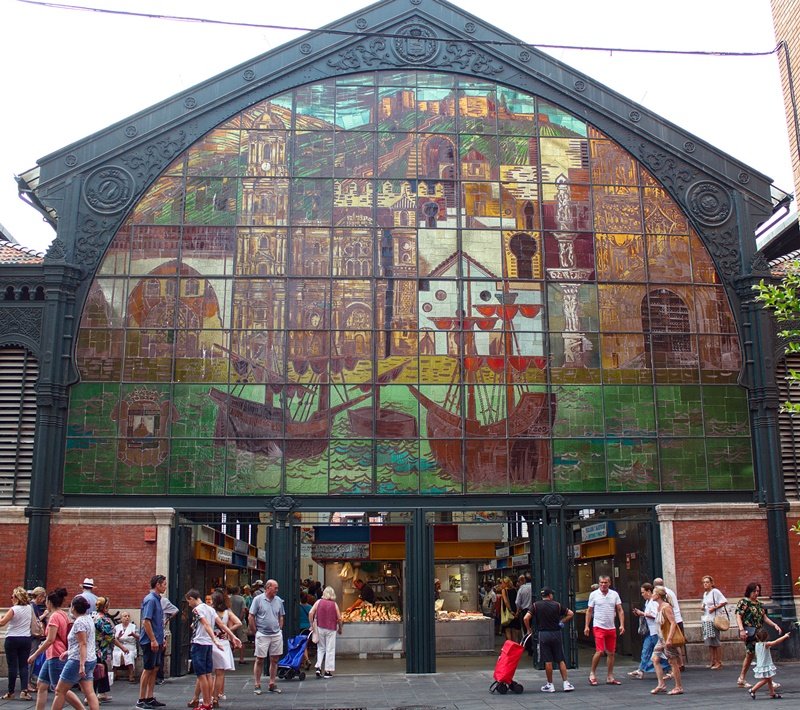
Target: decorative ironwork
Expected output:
[71,160]
[282,503]
[361,23]
[305,48]
[743,177]
[524,56]
[190,102]
[131,131]
[709,203]
[689,146]
[150,160]
[724,248]
[417,44]
[248,75]
[93,237]
[470,27]
[109,189]
[57,251]
[635,116]
[580,85]
[22,322]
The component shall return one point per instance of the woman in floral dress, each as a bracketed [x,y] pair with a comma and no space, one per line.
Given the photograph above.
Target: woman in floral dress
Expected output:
[750,617]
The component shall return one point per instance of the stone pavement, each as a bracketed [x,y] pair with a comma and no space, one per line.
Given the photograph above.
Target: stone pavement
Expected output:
[460,684]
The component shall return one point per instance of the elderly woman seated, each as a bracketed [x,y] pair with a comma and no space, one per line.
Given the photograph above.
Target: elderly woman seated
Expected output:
[126,633]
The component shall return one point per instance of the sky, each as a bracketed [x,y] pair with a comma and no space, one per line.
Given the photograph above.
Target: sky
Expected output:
[67,74]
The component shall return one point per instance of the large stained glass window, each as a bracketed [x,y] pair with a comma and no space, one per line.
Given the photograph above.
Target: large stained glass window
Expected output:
[406,282]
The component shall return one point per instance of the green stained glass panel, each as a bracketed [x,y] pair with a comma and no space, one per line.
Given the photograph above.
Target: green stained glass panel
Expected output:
[579,411]
[197,466]
[683,465]
[726,411]
[579,465]
[679,409]
[632,464]
[629,410]
[730,463]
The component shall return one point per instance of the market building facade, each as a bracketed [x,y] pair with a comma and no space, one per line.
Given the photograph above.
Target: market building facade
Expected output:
[403,264]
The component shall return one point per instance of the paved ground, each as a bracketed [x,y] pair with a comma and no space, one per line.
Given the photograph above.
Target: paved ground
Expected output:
[460,684]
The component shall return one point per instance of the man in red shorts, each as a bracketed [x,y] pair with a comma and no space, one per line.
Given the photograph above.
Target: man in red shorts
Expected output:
[604,604]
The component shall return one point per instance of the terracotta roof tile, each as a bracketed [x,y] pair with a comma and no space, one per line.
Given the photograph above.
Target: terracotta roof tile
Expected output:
[16,254]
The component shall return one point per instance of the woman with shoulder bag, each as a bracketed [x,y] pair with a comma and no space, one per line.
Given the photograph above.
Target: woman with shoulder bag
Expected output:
[326,618]
[54,644]
[713,620]
[508,609]
[750,617]
[670,637]
[18,642]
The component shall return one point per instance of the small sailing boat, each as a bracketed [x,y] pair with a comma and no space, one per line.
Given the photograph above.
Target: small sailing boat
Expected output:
[489,448]
[388,423]
[296,431]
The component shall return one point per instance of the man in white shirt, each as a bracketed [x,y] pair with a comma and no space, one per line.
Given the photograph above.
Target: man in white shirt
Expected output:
[676,609]
[604,604]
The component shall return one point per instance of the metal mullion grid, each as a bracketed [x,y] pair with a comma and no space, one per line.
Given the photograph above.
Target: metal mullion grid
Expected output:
[377,239]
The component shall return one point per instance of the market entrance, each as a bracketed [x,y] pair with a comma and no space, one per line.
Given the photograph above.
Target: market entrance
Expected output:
[411,583]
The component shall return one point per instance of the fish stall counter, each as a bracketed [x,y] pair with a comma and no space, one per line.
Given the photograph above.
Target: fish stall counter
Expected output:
[377,631]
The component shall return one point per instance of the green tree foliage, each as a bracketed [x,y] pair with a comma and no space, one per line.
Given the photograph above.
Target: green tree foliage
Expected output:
[783,299]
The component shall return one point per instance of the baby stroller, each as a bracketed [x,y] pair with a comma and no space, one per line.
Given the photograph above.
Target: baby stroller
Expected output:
[506,666]
[291,665]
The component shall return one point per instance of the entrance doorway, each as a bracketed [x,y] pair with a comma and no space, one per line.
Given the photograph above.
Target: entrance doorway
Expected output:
[401,554]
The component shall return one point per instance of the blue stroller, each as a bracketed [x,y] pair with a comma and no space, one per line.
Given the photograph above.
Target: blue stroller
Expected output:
[291,665]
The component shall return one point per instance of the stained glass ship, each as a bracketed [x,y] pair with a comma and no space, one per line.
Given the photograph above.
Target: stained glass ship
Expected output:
[497,442]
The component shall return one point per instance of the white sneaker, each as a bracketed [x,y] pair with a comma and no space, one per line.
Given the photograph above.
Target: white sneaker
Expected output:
[568,686]
[548,688]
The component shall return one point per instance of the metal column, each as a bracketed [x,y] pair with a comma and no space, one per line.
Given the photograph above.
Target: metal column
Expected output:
[418,608]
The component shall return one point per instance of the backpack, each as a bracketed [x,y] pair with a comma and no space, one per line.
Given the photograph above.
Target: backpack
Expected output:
[37,631]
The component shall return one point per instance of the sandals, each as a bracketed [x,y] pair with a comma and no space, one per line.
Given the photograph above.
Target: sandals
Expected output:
[636,674]
[676,691]
[776,696]
[8,696]
[592,680]
[193,704]
[658,689]
[613,681]
[25,695]
[742,683]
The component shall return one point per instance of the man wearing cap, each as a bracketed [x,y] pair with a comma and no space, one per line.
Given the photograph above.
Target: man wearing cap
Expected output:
[265,622]
[258,587]
[550,617]
[88,594]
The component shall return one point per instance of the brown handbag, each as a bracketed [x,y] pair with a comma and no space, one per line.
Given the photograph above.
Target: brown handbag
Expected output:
[678,639]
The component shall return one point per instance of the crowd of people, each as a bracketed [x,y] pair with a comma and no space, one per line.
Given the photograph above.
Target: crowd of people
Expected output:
[55,649]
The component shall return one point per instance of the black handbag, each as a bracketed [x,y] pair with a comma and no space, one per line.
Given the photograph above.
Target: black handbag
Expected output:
[644,629]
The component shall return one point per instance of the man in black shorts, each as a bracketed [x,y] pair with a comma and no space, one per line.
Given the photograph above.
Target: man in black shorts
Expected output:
[550,617]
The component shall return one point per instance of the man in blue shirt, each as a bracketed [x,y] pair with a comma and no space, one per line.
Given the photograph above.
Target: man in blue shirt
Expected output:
[151,641]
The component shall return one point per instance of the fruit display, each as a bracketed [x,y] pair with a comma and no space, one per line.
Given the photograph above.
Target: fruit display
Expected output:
[372,612]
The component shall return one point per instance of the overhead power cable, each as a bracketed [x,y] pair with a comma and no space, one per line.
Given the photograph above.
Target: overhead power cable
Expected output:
[390,35]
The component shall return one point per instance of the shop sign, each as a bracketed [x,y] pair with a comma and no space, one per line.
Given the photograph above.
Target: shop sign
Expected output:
[241,547]
[595,532]
[340,551]
[262,555]
[503,551]
[224,556]
[305,550]
[251,563]
[520,560]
